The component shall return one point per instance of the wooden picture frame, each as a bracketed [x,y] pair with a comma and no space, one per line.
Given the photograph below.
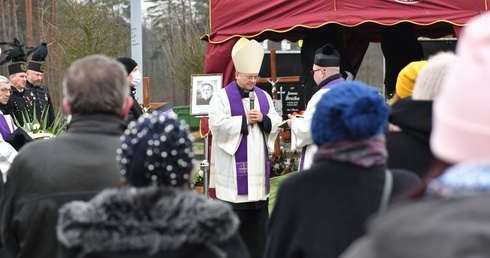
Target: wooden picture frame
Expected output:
[203,87]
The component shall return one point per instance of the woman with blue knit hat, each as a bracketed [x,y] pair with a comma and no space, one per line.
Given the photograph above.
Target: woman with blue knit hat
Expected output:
[320,211]
[156,216]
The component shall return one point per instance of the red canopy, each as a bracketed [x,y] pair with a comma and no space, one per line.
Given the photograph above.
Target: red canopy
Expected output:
[360,22]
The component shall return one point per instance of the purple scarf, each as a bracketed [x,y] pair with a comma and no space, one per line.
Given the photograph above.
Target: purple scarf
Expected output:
[365,153]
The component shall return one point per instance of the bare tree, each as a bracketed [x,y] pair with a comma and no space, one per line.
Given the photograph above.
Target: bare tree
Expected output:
[82,32]
[179,30]
[87,27]
[13,15]
[38,15]
[2,16]
[28,5]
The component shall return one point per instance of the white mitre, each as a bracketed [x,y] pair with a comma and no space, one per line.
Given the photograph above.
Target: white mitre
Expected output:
[247,56]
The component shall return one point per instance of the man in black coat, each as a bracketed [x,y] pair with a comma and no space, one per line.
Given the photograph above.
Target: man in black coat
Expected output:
[19,104]
[35,90]
[73,166]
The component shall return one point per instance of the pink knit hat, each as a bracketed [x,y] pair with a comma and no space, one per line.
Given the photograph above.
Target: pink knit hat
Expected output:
[461,125]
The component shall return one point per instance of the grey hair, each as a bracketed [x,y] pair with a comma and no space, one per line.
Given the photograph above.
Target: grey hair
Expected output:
[96,84]
[4,79]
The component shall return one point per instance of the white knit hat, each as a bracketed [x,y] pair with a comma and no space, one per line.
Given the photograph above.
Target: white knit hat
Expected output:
[430,78]
[461,119]
[247,56]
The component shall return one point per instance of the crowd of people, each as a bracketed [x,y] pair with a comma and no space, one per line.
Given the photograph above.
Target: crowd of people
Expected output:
[377,178]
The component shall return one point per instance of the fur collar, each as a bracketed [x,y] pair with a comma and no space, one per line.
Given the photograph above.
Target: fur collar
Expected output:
[152,219]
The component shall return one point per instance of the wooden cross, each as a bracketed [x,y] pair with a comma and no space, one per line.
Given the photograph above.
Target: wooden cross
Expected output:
[273,80]
[146,96]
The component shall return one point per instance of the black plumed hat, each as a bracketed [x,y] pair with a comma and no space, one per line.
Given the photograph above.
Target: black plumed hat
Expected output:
[39,54]
[16,55]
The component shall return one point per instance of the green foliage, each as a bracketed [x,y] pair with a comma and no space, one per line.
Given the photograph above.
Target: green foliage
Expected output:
[59,124]
[39,128]
[198,179]
[275,183]
[284,163]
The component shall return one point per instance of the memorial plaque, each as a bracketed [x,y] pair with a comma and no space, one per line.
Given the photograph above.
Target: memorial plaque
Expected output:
[292,98]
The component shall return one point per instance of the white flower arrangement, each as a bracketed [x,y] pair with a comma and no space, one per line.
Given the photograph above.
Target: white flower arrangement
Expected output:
[38,128]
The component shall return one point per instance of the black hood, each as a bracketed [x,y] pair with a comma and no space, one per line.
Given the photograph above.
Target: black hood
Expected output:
[413,117]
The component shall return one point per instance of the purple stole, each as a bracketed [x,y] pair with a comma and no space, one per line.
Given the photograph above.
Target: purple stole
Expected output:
[326,86]
[4,128]
[237,109]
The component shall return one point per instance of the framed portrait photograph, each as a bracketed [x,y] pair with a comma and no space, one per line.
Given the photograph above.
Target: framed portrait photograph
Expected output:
[203,87]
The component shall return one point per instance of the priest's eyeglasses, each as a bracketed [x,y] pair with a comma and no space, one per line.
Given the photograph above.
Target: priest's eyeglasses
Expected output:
[5,90]
[313,71]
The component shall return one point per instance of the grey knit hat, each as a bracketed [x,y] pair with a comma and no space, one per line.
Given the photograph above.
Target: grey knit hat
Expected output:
[430,78]
[156,150]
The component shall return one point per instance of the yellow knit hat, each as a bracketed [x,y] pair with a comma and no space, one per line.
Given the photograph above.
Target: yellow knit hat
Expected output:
[406,78]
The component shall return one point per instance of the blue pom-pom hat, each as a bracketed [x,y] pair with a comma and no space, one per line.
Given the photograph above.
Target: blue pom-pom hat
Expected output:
[349,111]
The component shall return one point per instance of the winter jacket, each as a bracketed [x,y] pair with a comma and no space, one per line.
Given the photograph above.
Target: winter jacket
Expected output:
[409,147]
[48,173]
[136,111]
[429,228]
[321,211]
[451,221]
[149,222]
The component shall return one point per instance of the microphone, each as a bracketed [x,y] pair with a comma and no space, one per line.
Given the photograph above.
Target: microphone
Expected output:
[251,95]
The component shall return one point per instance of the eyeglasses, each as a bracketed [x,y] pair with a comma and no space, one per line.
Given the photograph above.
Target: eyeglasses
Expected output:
[252,77]
[5,90]
[313,71]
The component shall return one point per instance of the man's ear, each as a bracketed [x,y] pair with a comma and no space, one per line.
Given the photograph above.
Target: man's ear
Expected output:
[66,106]
[127,106]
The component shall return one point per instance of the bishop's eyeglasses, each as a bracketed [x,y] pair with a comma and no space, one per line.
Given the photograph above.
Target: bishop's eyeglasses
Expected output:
[251,77]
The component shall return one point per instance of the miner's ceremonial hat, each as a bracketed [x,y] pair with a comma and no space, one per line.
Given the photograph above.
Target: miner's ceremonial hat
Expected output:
[16,56]
[37,62]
